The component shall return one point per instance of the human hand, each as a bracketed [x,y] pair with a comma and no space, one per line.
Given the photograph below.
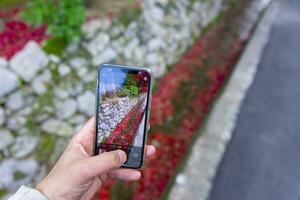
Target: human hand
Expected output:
[78,174]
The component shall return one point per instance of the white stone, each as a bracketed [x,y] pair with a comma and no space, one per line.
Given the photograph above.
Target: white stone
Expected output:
[75,90]
[107,56]
[64,69]
[78,127]
[157,14]
[3,62]
[134,43]
[116,31]
[155,44]
[39,83]
[66,109]
[15,101]
[152,59]
[2,116]
[25,111]
[77,119]
[6,139]
[163,2]
[8,82]
[78,62]
[61,93]
[53,58]
[72,48]
[82,72]
[90,27]
[9,167]
[57,127]
[28,62]
[23,146]
[181,179]
[86,103]
[90,77]
[98,44]
[16,122]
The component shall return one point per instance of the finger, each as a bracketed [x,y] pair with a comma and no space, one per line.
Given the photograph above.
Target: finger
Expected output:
[125,174]
[150,150]
[103,177]
[102,163]
[89,127]
[86,135]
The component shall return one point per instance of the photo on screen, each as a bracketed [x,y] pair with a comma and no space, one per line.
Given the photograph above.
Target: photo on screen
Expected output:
[122,111]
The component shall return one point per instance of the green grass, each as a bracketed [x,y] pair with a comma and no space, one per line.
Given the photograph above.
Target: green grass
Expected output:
[127,16]
[3,192]
[19,175]
[55,45]
[11,3]
[45,148]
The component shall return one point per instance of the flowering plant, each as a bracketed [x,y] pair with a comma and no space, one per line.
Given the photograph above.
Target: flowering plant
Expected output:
[184,96]
[16,34]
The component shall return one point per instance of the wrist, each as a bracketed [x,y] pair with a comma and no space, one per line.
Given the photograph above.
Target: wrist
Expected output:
[40,187]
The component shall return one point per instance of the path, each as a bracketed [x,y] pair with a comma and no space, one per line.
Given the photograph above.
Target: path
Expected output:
[262,160]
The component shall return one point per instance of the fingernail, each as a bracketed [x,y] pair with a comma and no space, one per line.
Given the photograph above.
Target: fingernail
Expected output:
[135,175]
[122,156]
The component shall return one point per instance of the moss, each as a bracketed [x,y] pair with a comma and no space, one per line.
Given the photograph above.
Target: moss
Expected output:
[126,16]
[55,45]
[91,86]
[80,52]
[21,83]
[54,72]
[45,148]
[31,124]
[19,175]
[3,192]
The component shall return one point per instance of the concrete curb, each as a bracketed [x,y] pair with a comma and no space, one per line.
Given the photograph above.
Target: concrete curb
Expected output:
[196,179]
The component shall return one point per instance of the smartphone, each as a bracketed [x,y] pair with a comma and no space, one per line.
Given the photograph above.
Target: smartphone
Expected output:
[122,111]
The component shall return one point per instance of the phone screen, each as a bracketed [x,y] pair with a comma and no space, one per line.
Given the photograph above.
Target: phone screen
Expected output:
[122,109]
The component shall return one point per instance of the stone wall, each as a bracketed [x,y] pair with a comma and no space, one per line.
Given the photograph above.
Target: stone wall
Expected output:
[45,99]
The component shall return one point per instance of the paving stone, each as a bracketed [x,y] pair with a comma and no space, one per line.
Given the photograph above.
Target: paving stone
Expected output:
[39,84]
[3,62]
[64,69]
[6,139]
[66,109]
[9,167]
[23,146]
[57,127]
[8,81]
[105,57]
[24,64]
[2,116]
[15,101]
[86,103]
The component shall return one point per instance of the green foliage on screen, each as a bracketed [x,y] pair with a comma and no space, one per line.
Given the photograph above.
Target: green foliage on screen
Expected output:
[131,91]
[130,88]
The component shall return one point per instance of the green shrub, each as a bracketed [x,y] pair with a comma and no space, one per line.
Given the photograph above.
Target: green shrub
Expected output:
[62,17]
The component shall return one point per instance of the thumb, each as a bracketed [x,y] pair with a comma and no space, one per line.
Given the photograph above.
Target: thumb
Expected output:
[102,163]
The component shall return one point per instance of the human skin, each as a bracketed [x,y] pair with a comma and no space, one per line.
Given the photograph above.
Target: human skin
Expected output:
[79,175]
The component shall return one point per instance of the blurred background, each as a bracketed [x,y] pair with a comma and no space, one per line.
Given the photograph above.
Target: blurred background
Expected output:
[224,114]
